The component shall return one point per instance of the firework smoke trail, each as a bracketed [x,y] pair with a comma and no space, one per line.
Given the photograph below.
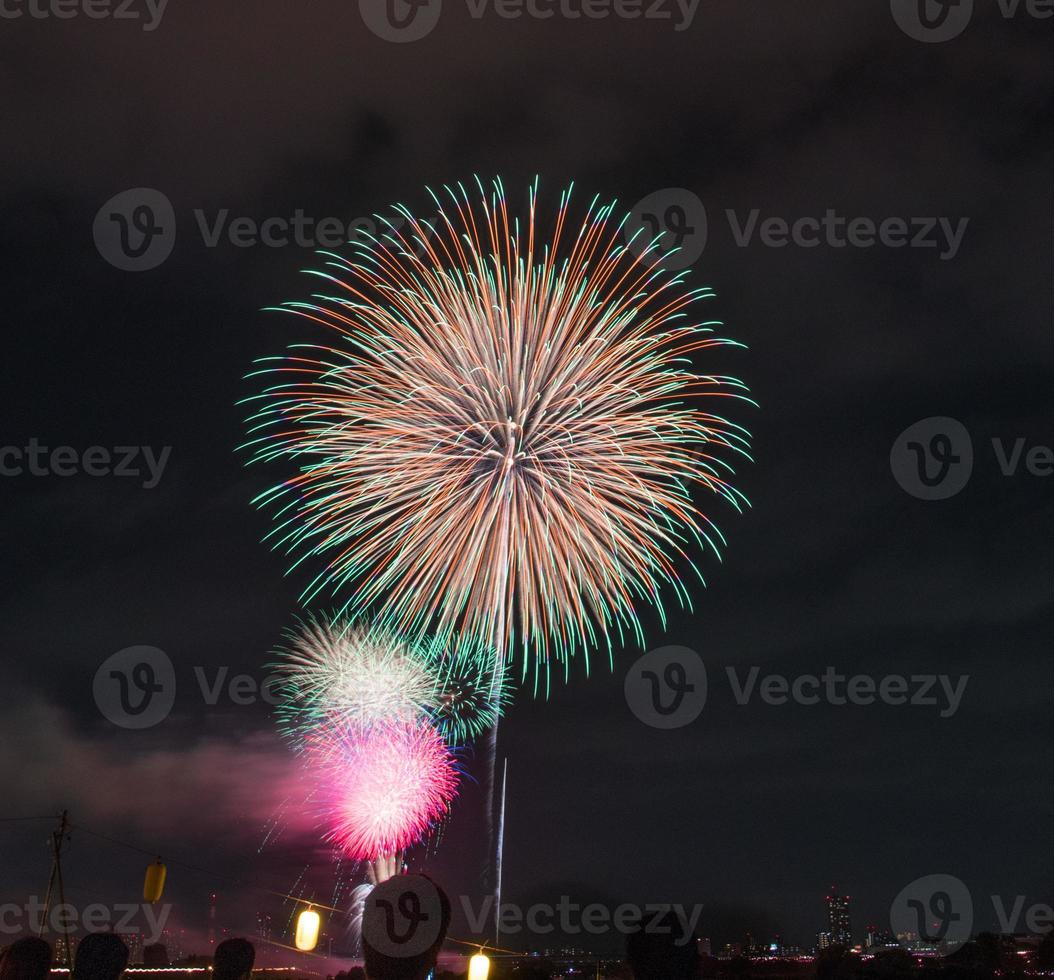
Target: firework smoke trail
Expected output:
[503,439]
[500,854]
[358,907]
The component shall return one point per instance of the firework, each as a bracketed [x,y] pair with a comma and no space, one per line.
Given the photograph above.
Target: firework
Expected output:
[503,437]
[335,673]
[470,698]
[381,790]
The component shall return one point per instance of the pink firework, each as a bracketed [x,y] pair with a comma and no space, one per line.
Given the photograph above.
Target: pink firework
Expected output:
[381,789]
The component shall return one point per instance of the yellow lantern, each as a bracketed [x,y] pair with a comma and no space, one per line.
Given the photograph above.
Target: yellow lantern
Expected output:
[307,926]
[478,967]
[154,882]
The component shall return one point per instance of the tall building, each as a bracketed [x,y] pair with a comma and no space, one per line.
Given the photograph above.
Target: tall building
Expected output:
[838,923]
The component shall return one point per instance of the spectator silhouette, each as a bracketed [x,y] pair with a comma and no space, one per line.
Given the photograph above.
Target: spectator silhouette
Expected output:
[28,959]
[356,973]
[100,956]
[233,960]
[155,955]
[662,949]
[401,959]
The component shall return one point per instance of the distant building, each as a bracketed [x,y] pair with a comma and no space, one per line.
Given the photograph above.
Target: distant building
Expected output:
[838,922]
[880,938]
[823,941]
[64,955]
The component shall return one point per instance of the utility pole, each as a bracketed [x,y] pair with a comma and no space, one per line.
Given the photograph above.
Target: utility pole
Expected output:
[58,841]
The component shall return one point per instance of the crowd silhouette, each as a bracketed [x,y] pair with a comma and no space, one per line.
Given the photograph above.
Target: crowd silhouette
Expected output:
[104,956]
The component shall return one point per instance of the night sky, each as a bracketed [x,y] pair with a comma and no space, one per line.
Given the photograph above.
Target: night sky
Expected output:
[792,108]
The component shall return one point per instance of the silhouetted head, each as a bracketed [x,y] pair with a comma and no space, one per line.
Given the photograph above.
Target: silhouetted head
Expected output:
[662,949]
[100,956]
[233,960]
[356,973]
[155,955]
[28,959]
[404,923]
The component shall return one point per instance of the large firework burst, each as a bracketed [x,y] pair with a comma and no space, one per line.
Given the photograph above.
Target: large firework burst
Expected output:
[504,437]
[332,672]
[380,790]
